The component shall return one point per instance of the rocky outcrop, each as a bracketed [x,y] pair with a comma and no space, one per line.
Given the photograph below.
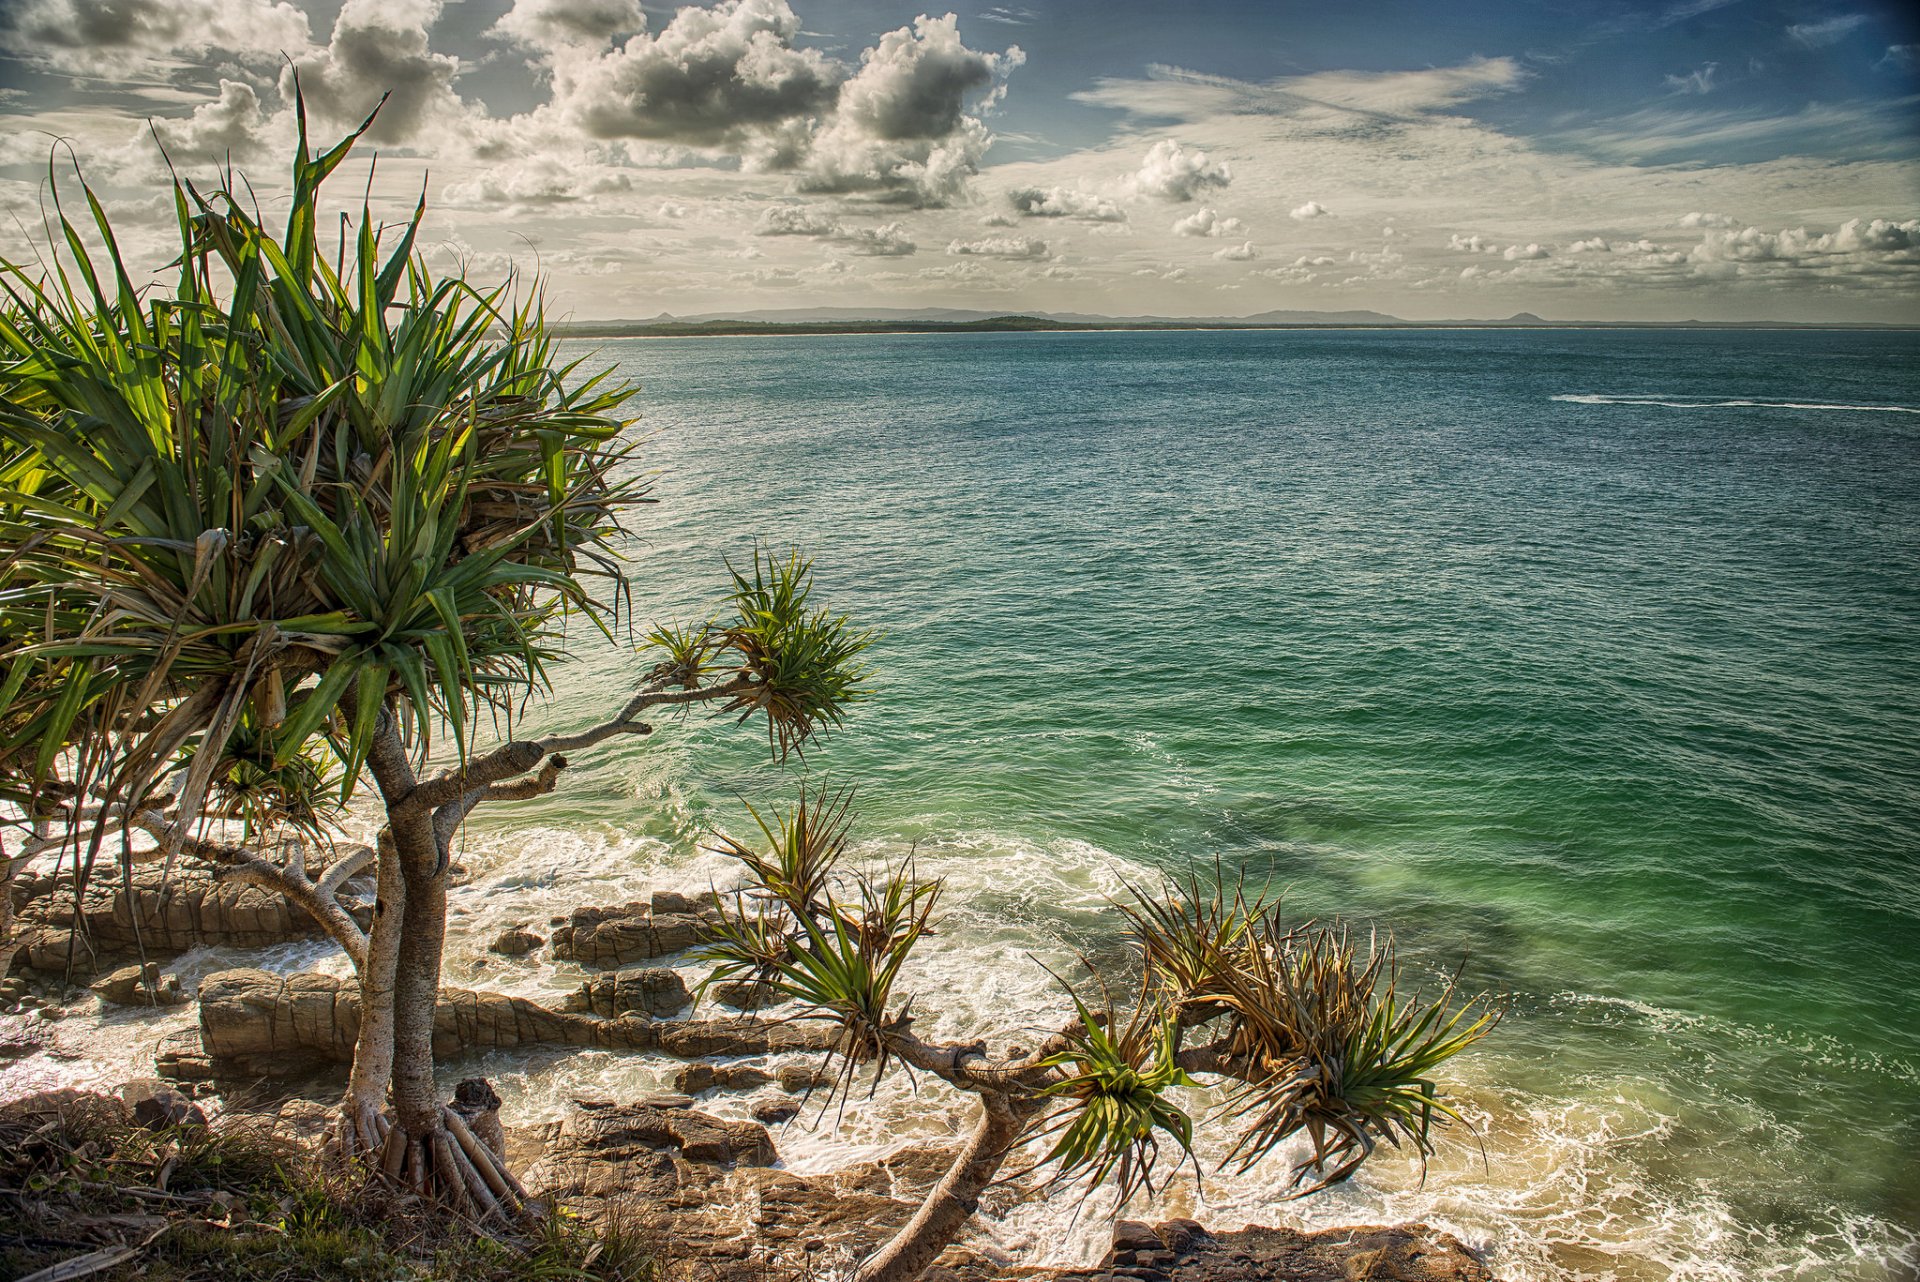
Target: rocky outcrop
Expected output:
[1183,1251]
[515,941]
[165,914]
[138,985]
[653,991]
[253,1022]
[633,932]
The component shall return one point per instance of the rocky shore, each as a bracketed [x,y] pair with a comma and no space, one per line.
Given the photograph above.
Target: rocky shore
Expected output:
[711,1189]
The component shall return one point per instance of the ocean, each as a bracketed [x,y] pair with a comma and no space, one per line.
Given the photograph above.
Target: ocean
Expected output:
[1590,657]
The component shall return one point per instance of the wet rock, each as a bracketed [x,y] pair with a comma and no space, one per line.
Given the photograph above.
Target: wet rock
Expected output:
[742,994]
[157,1106]
[651,990]
[775,1112]
[628,934]
[695,1078]
[798,1079]
[160,912]
[1182,1251]
[140,986]
[254,1022]
[516,941]
[477,1105]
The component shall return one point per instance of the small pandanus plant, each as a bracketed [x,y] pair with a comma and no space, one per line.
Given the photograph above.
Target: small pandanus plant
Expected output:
[1311,1038]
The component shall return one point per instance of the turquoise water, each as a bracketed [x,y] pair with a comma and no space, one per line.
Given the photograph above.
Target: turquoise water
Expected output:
[1526,645]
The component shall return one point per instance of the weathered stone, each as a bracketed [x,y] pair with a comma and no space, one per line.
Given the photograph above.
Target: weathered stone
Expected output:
[798,1079]
[138,985]
[157,1106]
[775,1112]
[742,994]
[695,1078]
[255,1022]
[628,934]
[160,912]
[1184,1252]
[598,1145]
[517,941]
[650,990]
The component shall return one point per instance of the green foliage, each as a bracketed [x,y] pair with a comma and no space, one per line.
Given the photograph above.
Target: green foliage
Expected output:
[1114,1096]
[1325,1043]
[802,660]
[803,847]
[288,490]
[241,1205]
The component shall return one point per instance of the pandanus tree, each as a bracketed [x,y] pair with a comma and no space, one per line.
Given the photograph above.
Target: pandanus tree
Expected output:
[1309,1033]
[306,501]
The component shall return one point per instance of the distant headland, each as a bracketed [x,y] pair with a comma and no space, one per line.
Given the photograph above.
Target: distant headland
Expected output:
[843,320]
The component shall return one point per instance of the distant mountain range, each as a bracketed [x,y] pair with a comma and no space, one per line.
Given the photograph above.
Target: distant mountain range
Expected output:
[844,320]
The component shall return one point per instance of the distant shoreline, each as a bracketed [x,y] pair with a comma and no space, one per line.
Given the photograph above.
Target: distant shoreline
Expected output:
[1035,325]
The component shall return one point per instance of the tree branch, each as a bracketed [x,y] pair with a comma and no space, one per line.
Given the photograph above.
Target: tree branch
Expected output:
[522,755]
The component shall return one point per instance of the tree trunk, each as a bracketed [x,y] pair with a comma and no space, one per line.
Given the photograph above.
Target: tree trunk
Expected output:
[361,1125]
[1003,1119]
[416,986]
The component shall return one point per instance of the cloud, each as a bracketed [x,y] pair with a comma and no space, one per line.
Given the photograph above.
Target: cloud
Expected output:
[1174,93]
[998,220]
[1858,242]
[794,220]
[563,24]
[1525,253]
[1241,253]
[1063,202]
[672,210]
[1015,247]
[1010,15]
[1204,222]
[380,47]
[231,126]
[1699,80]
[1171,172]
[726,77]
[900,129]
[889,240]
[1694,220]
[1899,58]
[1312,209]
[1818,35]
[117,38]
[1475,244]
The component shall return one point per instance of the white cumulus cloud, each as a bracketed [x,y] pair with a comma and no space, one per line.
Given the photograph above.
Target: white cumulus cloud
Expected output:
[1065,202]
[1312,209]
[1205,222]
[1172,172]
[1016,247]
[1244,252]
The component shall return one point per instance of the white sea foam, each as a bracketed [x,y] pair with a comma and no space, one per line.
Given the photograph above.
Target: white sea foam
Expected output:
[1578,1180]
[1737,403]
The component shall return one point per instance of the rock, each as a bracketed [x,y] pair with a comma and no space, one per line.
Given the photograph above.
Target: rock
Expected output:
[742,994]
[695,1078]
[632,933]
[516,941]
[50,1013]
[775,1112]
[797,1079]
[1182,1251]
[140,986]
[668,902]
[253,1022]
[604,1150]
[157,1106]
[650,990]
[65,1107]
[477,1105]
[165,913]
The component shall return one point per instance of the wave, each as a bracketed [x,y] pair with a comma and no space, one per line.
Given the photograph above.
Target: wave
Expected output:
[1585,398]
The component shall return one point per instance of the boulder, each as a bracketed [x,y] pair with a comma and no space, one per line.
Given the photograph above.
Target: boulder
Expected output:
[695,1078]
[254,1022]
[157,1106]
[516,941]
[607,937]
[138,985]
[1183,1251]
[605,1152]
[160,912]
[742,994]
[651,990]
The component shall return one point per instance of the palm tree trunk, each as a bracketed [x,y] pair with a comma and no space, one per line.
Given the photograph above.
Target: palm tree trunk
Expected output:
[361,1126]
[1003,1119]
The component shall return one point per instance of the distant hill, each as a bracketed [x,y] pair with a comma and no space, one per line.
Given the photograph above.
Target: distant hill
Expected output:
[953,320]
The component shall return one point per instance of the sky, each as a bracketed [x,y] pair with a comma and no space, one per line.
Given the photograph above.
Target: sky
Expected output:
[1578,159]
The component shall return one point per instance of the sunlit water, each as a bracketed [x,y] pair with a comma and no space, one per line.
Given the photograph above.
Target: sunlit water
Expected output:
[1592,656]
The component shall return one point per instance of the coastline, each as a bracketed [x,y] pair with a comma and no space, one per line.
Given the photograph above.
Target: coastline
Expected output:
[838,329]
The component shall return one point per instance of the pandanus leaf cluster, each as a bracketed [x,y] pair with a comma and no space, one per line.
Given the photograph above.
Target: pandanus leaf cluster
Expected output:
[285,496]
